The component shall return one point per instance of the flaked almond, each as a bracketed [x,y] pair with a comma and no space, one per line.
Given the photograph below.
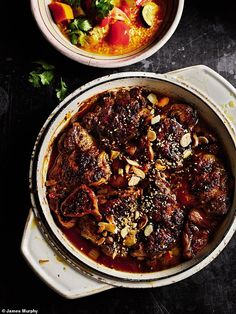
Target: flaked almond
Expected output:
[187,153]
[130,239]
[163,101]
[134,180]
[120,172]
[106,226]
[151,135]
[114,154]
[159,165]
[134,224]
[195,140]
[136,214]
[124,231]
[132,162]
[138,172]
[148,230]
[185,140]
[152,98]
[203,140]
[127,168]
[155,119]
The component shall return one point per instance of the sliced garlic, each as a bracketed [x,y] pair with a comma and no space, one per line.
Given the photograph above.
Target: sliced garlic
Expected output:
[132,162]
[124,232]
[187,153]
[152,98]
[134,180]
[138,172]
[155,119]
[185,140]
[136,215]
[148,230]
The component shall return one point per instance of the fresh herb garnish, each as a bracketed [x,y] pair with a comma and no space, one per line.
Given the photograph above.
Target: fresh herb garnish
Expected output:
[61,91]
[81,23]
[78,29]
[44,74]
[103,7]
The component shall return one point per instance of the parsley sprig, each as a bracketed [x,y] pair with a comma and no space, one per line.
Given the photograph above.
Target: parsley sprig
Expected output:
[103,7]
[61,91]
[44,74]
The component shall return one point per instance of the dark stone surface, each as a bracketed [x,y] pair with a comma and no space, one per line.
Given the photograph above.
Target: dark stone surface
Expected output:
[205,35]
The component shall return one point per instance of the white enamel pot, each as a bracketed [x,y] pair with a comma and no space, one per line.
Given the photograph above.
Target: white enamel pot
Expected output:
[59,118]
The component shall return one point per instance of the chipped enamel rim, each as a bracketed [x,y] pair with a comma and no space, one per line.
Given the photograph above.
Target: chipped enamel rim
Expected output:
[51,32]
[41,155]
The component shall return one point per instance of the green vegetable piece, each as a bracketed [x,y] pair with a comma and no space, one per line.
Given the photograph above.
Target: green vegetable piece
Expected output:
[149,13]
[82,39]
[62,90]
[46,77]
[81,23]
[73,39]
[84,25]
[103,7]
[34,79]
[74,25]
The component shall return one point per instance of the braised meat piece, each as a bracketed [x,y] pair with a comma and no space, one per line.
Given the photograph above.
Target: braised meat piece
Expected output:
[194,240]
[87,227]
[167,146]
[183,114]
[211,184]
[118,117]
[80,160]
[165,214]
[81,202]
[77,138]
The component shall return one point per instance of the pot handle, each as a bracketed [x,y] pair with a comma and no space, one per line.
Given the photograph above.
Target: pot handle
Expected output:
[52,269]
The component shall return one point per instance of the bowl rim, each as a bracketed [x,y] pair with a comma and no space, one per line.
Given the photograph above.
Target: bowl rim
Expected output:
[106,62]
[58,246]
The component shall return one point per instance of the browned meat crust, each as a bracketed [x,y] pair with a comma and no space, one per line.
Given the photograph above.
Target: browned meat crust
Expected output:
[211,184]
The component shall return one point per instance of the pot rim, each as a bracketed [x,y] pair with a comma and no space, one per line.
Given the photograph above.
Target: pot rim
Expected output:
[200,261]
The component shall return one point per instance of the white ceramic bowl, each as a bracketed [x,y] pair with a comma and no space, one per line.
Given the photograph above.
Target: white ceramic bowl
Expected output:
[57,39]
[41,156]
